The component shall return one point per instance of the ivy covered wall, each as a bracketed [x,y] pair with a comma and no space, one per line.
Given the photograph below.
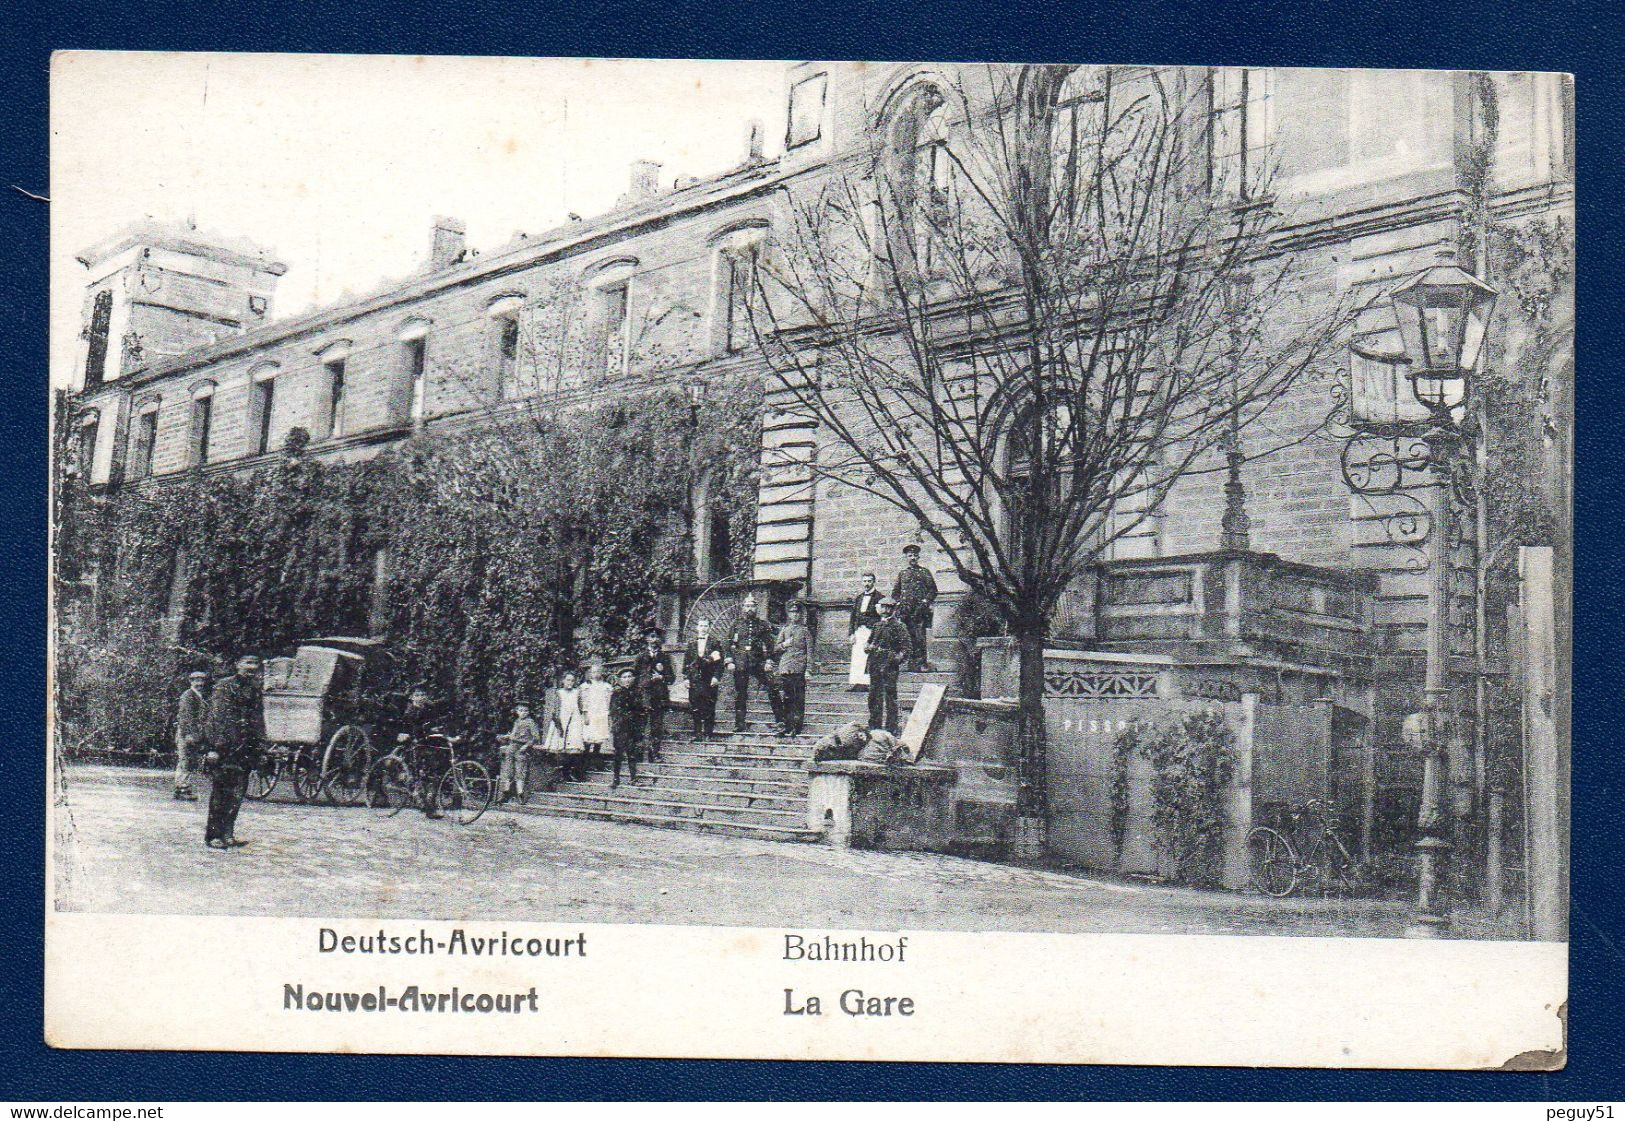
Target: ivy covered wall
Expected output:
[506,550]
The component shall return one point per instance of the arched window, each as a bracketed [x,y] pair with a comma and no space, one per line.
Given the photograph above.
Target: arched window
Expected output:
[334,358]
[413,397]
[202,421]
[262,404]
[919,177]
[736,254]
[610,311]
[504,312]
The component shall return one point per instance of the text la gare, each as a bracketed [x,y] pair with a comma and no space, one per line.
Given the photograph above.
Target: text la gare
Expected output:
[853,1002]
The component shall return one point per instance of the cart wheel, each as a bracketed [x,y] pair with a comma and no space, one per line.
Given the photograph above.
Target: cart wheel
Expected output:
[263,778]
[465,792]
[307,780]
[344,766]
[1272,861]
[389,785]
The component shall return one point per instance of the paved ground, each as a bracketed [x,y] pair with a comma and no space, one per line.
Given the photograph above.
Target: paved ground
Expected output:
[124,846]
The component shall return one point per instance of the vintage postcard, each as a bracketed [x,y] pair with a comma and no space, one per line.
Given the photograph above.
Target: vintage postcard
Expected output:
[1046,562]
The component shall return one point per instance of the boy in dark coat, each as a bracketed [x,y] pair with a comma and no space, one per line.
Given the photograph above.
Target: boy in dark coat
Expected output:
[626,724]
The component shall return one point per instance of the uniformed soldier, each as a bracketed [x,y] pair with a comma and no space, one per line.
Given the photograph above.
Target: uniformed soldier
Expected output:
[749,655]
[888,647]
[236,732]
[915,592]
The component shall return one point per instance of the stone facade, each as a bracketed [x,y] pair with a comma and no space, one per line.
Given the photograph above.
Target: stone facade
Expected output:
[1371,172]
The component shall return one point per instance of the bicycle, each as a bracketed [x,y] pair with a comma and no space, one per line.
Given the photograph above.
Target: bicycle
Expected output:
[1276,865]
[399,780]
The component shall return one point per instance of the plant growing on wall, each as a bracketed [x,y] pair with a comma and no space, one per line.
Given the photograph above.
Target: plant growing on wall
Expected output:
[1192,760]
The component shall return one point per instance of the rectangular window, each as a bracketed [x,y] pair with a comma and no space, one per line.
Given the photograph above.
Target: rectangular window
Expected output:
[508,356]
[335,397]
[1238,130]
[264,402]
[101,321]
[89,429]
[738,275]
[806,111]
[416,372]
[146,441]
[202,414]
[616,308]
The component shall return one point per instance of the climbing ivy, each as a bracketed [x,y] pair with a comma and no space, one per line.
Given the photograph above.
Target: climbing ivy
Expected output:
[1193,761]
[511,549]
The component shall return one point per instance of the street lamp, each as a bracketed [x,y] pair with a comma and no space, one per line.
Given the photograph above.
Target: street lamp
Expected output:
[1442,313]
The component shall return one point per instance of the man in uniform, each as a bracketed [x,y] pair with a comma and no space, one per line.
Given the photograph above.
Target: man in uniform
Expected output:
[749,648]
[702,665]
[236,732]
[888,647]
[792,657]
[915,592]
[191,733]
[654,674]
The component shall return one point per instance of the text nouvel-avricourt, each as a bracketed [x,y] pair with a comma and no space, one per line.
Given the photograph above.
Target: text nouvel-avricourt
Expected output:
[802,947]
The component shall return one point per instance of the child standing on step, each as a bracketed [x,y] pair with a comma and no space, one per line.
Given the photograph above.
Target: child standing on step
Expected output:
[627,715]
[595,729]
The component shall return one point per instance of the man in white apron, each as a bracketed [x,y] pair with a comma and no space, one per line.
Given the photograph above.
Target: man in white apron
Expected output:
[865,617]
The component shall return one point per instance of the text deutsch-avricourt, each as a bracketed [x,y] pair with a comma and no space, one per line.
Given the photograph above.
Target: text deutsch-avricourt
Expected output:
[457,942]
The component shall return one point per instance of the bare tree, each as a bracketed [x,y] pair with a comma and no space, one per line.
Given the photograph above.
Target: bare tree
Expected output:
[1025,313]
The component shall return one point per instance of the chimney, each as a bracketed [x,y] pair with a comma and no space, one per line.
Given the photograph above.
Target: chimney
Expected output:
[645,180]
[753,146]
[447,244]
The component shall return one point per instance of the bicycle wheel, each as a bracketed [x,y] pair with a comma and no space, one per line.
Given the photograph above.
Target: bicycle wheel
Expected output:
[345,764]
[1272,862]
[466,791]
[390,786]
[263,779]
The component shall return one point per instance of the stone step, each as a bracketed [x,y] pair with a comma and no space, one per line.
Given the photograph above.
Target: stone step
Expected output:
[768,781]
[785,757]
[631,814]
[647,802]
[663,789]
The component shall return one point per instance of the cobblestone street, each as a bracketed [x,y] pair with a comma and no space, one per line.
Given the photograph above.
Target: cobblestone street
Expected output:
[124,846]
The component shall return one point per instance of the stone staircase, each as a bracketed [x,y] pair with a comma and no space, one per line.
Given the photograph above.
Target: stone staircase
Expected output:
[750,784]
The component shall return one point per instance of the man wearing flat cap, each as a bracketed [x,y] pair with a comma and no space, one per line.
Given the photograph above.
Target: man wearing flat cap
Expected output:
[191,732]
[915,592]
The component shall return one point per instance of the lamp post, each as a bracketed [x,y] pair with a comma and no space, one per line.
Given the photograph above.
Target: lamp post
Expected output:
[1442,313]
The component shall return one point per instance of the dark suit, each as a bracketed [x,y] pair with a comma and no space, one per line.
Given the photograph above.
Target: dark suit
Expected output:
[915,593]
[888,647]
[865,612]
[704,673]
[749,647]
[655,677]
[236,731]
[626,723]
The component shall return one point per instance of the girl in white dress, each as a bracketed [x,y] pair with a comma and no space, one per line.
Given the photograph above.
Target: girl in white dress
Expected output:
[563,732]
[595,694]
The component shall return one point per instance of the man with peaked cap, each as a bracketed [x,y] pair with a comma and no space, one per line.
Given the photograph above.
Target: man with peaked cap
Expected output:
[750,654]
[236,731]
[915,592]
